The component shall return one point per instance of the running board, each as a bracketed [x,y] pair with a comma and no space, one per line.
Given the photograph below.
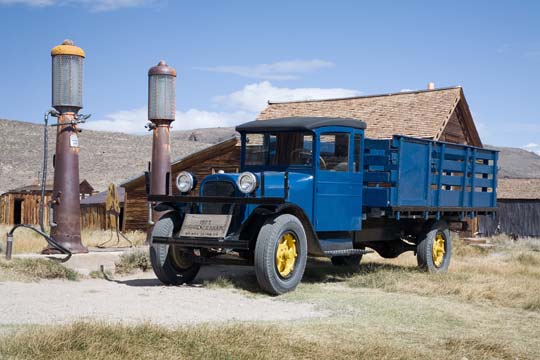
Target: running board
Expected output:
[347,252]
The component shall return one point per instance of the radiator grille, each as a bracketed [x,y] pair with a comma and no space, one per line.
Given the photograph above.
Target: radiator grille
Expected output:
[217,188]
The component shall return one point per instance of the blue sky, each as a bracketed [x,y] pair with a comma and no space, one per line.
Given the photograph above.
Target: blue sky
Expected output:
[232,56]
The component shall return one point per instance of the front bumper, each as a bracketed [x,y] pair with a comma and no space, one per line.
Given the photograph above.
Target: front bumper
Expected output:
[230,241]
[203,243]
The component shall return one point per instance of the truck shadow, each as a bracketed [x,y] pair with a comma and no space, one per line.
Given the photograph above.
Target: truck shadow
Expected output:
[318,271]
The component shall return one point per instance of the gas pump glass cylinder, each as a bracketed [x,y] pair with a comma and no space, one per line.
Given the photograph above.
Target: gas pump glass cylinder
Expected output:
[67,77]
[161,92]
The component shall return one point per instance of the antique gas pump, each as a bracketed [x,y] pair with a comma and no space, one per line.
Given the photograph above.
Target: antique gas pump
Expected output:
[161,113]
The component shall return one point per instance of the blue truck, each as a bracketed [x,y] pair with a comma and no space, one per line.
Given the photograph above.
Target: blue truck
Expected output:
[318,187]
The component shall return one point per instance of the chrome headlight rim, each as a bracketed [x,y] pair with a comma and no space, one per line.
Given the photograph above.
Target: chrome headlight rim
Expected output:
[252,184]
[185,181]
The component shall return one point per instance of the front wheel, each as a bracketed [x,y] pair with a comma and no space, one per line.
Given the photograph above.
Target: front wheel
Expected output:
[280,254]
[169,262]
[434,250]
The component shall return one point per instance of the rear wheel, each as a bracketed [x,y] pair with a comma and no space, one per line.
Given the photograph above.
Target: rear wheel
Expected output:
[350,260]
[434,251]
[170,263]
[280,254]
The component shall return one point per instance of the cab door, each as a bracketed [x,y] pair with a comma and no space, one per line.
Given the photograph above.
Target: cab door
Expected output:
[338,180]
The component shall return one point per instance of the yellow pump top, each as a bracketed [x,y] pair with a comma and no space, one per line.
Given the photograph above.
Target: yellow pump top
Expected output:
[67,48]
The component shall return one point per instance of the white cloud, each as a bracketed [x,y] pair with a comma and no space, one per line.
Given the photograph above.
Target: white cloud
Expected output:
[242,105]
[281,70]
[92,5]
[254,97]
[533,147]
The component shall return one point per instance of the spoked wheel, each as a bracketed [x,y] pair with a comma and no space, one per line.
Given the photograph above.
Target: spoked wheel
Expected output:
[280,254]
[170,263]
[435,249]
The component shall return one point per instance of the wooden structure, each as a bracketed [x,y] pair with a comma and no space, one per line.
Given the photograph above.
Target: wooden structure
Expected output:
[21,205]
[437,114]
[222,156]
[519,209]
[94,214]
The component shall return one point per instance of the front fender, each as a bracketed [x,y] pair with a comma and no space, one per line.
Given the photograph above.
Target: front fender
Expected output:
[257,217]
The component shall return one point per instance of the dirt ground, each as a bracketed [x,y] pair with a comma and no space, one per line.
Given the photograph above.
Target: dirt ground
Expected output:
[140,298]
[486,307]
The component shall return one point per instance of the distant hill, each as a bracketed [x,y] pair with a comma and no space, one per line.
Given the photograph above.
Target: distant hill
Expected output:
[517,163]
[113,157]
[104,156]
[209,135]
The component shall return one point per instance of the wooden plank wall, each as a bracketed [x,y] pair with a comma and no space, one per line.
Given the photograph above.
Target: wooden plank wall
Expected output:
[29,208]
[454,131]
[93,217]
[136,206]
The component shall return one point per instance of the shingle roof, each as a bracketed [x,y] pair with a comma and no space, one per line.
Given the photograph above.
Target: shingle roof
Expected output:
[101,197]
[416,113]
[523,189]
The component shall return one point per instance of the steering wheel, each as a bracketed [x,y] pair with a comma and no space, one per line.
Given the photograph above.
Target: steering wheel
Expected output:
[322,163]
[307,155]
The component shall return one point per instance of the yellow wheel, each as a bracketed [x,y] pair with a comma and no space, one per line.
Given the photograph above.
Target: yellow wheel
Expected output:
[434,249]
[280,254]
[438,250]
[286,255]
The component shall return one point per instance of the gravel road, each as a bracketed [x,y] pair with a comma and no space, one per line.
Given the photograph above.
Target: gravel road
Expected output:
[135,300]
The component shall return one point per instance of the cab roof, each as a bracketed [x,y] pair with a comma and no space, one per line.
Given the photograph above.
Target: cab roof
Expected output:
[298,124]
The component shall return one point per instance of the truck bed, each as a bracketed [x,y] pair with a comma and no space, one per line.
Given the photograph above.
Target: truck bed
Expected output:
[410,174]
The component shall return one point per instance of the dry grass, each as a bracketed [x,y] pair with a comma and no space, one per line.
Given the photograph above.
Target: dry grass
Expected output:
[35,269]
[26,241]
[132,261]
[506,275]
[486,307]
[236,341]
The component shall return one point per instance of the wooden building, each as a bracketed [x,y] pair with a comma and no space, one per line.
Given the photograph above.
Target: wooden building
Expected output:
[222,156]
[439,114]
[21,205]
[94,214]
[518,211]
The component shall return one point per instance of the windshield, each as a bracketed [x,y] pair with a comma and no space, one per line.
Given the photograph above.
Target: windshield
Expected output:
[279,149]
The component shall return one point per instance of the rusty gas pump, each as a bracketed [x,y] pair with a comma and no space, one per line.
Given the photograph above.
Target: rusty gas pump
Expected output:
[161,113]
[64,208]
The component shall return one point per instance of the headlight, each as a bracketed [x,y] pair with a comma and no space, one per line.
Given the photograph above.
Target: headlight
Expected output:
[247,182]
[185,182]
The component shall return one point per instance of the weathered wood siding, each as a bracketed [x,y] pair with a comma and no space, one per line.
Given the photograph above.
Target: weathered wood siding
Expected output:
[93,217]
[202,164]
[29,208]
[514,217]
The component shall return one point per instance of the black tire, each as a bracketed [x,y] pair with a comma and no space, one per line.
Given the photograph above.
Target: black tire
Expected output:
[425,249]
[266,269]
[168,262]
[349,260]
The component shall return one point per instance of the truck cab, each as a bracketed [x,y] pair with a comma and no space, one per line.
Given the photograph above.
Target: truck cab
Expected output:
[301,191]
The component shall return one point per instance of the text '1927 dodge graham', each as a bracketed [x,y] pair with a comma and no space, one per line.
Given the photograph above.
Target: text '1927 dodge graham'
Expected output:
[318,187]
